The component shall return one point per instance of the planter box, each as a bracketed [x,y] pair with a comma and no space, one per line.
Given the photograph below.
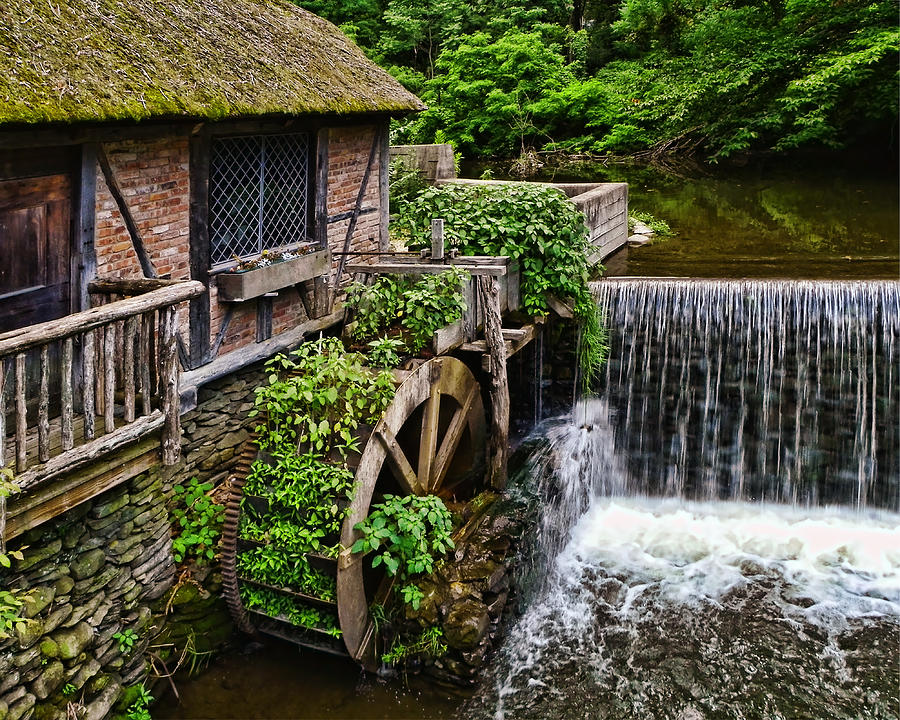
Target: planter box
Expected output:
[238,287]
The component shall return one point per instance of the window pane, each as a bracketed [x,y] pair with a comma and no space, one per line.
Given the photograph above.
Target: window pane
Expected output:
[285,210]
[234,193]
[258,194]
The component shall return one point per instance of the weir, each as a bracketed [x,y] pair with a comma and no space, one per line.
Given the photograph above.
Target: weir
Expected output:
[774,390]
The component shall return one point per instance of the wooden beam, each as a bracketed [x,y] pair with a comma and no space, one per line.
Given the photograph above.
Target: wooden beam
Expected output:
[91,451]
[320,202]
[384,199]
[199,311]
[351,227]
[425,268]
[116,191]
[128,287]
[498,443]
[85,256]
[28,510]
[403,472]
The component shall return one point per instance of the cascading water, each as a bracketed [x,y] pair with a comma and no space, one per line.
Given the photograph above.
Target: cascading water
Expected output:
[721,536]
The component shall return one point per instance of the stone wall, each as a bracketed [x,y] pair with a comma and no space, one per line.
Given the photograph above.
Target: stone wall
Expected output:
[92,573]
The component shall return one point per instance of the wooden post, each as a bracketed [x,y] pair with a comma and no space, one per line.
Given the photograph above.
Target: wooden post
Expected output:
[44,407]
[109,379]
[437,239]
[67,433]
[87,404]
[144,356]
[489,294]
[128,367]
[171,435]
[21,418]
[2,416]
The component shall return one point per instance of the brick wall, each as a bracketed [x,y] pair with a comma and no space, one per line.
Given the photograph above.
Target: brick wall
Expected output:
[155,179]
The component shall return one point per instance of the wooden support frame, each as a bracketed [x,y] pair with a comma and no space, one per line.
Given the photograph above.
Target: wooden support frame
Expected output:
[199,310]
[498,438]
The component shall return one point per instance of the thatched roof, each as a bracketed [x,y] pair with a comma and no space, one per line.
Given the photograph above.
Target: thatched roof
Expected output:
[81,60]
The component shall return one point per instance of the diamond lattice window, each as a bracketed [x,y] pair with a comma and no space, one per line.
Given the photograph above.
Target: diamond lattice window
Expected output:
[258,194]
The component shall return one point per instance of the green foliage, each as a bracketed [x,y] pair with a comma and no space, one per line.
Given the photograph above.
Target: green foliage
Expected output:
[198,521]
[10,600]
[297,613]
[658,226]
[126,639]
[428,644]
[407,534]
[385,352]
[139,708]
[536,226]
[422,305]
[69,690]
[317,396]
[663,75]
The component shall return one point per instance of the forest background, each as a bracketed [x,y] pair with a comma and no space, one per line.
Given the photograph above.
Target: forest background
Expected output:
[636,77]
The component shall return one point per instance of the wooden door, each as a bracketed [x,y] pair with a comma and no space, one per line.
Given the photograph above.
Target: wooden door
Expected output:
[35,250]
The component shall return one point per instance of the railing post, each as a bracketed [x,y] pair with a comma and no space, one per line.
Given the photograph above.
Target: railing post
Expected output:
[171,435]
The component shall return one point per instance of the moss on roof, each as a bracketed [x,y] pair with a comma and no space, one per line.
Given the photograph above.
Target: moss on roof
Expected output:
[82,60]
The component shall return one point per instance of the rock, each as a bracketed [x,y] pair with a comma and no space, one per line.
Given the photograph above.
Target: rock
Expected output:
[50,679]
[8,681]
[4,709]
[104,509]
[85,609]
[87,564]
[23,658]
[57,617]
[495,607]
[99,708]
[49,648]
[73,640]
[38,554]
[642,228]
[18,711]
[84,673]
[36,600]
[28,632]
[639,240]
[465,624]
[64,585]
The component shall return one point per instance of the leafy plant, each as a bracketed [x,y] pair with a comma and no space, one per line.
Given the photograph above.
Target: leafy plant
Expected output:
[318,396]
[139,709]
[126,639]
[385,352]
[198,520]
[10,600]
[428,644]
[407,534]
[297,613]
[420,306]
[535,225]
[69,690]
[658,226]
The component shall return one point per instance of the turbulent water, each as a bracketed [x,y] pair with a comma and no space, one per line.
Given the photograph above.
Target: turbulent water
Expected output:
[720,536]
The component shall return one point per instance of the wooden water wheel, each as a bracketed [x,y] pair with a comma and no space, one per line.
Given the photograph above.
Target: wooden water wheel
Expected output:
[430,439]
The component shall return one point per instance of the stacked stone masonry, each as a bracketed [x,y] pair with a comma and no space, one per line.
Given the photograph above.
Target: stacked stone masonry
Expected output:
[91,575]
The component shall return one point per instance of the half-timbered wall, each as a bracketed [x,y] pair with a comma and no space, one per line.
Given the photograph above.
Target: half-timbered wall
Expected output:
[155,180]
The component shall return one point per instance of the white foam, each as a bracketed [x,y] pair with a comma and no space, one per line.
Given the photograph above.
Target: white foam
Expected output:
[695,552]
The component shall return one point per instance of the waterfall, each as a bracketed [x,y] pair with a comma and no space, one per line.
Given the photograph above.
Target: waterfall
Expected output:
[719,530]
[776,390]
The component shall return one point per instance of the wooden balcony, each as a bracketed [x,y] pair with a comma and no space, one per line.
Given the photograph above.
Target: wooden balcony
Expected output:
[76,391]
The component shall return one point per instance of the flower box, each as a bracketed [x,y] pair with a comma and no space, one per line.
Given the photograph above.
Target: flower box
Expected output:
[249,284]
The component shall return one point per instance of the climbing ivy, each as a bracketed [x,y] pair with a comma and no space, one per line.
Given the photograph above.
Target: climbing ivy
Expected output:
[533,224]
[198,522]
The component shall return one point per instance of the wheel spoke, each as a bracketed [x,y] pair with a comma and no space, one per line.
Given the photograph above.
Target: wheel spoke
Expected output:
[400,466]
[451,439]
[428,437]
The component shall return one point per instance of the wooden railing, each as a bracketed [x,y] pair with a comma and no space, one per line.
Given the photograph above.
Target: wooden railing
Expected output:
[77,388]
